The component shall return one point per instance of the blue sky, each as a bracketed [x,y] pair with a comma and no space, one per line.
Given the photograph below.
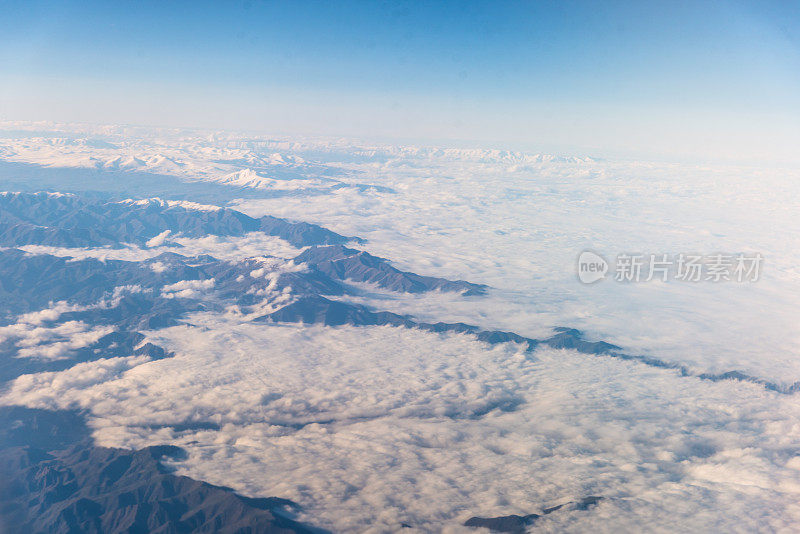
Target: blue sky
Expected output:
[691,80]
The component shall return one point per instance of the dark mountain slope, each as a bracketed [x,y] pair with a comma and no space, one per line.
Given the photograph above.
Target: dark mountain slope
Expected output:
[71,221]
[518,524]
[344,263]
[54,480]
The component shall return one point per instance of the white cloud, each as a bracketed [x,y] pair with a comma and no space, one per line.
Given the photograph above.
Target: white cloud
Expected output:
[187,288]
[158,240]
[42,389]
[232,248]
[52,343]
[521,228]
[48,314]
[38,334]
[369,427]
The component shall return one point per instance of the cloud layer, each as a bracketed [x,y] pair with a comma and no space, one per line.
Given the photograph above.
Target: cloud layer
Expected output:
[370,427]
[520,227]
[232,248]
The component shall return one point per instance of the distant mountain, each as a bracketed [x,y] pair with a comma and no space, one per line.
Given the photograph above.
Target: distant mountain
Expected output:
[53,478]
[29,282]
[317,309]
[71,221]
[344,263]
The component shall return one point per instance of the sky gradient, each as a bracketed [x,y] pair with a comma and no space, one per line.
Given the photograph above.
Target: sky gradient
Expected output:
[694,80]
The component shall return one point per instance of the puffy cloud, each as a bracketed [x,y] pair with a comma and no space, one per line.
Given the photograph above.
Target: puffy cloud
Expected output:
[187,288]
[221,247]
[517,222]
[38,335]
[520,230]
[158,240]
[373,426]
[48,314]
[59,341]
[69,387]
